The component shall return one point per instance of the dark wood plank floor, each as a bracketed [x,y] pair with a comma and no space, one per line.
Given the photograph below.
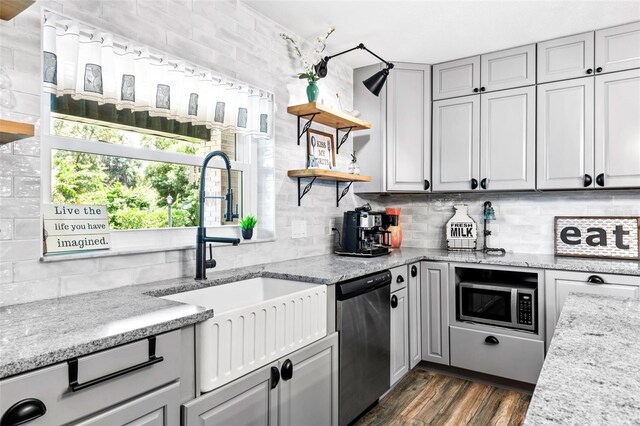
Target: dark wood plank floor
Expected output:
[429,398]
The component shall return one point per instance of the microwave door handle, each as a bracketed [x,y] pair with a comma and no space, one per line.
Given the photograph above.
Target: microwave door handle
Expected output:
[514,313]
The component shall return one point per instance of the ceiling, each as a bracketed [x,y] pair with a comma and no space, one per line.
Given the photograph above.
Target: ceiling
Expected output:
[432,31]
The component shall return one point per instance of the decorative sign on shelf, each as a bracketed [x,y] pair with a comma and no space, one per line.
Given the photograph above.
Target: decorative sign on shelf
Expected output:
[320,150]
[69,228]
[597,236]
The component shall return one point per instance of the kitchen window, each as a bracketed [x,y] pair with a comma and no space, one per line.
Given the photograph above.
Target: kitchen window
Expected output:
[128,128]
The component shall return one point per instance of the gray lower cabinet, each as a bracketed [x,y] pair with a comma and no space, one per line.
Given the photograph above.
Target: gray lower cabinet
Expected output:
[560,283]
[415,323]
[301,388]
[158,408]
[399,335]
[434,303]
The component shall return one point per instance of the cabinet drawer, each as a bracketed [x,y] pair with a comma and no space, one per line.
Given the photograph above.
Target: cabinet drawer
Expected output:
[399,278]
[51,385]
[512,357]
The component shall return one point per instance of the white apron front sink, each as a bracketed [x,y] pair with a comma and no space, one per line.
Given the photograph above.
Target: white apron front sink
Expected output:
[256,322]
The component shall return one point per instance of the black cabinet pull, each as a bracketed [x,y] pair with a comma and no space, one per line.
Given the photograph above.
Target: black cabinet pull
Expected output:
[287,370]
[275,377]
[482,89]
[427,185]
[490,340]
[476,90]
[587,180]
[73,369]
[474,183]
[600,179]
[394,301]
[483,183]
[594,279]
[589,71]
[23,411]
[599,69]
[414,271]
[400,279]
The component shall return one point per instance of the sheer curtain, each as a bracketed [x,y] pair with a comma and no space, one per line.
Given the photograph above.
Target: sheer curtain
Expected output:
[90,64]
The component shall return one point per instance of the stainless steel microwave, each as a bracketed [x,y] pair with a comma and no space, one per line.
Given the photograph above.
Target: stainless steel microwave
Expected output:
[503,305]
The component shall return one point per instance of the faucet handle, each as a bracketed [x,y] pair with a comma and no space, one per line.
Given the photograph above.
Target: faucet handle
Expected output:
[210,263]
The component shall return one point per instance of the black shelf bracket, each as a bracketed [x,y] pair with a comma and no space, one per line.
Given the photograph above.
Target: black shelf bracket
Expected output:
[340,196]
[344,137]
[303,192]
[306,125]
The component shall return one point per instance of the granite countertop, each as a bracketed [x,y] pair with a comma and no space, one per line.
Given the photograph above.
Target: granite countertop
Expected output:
[45,332]
[591,374]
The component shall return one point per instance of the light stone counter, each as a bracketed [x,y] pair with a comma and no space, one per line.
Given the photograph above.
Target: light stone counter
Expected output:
[45,332]
[591,375]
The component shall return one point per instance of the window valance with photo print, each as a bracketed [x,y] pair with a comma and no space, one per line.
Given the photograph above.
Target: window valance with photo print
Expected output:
[89,64]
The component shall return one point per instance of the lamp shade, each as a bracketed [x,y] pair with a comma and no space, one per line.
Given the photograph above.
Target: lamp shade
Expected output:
[376,81]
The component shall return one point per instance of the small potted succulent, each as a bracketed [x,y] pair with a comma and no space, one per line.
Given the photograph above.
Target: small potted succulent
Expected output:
[248,223]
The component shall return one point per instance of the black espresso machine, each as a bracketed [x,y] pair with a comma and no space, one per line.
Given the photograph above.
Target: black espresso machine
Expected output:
[365,233]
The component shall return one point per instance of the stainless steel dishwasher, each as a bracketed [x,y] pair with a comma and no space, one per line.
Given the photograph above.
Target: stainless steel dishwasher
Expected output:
[363,315]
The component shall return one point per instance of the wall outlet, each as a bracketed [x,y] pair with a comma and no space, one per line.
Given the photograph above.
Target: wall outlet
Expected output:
[298,228]
[332,224]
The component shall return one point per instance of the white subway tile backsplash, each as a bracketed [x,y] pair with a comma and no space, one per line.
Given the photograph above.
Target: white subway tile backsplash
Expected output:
[27,228]
[6,229]
[129,261]
[26,186]
[23,292]
[97,281]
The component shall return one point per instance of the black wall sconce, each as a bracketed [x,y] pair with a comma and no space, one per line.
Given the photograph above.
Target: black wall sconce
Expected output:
[373,83]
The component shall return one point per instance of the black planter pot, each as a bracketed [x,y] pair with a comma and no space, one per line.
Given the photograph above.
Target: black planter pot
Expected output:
[247,234]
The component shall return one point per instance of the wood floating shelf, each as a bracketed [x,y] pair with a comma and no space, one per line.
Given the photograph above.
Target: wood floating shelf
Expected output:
[328,117]
[11,131]
[326,175]
[9,9]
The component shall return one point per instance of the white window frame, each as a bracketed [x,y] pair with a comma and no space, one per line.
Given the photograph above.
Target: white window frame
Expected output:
[154,238]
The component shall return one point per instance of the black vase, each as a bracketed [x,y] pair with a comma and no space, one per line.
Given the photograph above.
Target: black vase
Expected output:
[247,234]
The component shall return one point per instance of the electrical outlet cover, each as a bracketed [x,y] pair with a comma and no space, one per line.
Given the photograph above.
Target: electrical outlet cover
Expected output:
[298,229]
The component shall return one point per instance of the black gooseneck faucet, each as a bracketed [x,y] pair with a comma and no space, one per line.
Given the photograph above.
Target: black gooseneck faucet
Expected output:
[201,240]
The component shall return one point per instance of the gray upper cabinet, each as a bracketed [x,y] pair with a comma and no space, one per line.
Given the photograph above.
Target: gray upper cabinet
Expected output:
[415,335]
[434,302]
[565,135]
[310,396]
[566,57]
[456,78]
[617,130]
[408,128]
[456,144]
[618,48]
[395,152]
[507,69]
[399,336]
[507,144]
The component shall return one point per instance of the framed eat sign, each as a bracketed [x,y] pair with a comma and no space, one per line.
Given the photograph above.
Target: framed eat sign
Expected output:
[597,236]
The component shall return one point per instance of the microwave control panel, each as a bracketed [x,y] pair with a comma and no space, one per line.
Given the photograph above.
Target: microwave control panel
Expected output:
[525,309]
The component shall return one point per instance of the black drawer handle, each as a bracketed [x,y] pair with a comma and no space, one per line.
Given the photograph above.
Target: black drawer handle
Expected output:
[589,71]
[476,90]
[275,377]
[483,183]
[490,340]
[427,185]
[587,180]
[414,271]
[400,279]
[287,370]
[73,369]
[482,89]
[600,179]
[23,411]
[474,183]
[594,279]
[394,301]
[599,69]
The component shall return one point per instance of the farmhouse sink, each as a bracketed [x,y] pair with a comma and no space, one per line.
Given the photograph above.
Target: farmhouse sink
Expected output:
[256,322]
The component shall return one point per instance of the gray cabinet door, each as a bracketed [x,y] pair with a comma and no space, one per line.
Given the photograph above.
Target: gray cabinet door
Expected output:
[566,57]
[617,138]
[408,128]
[456,143]
[507,144]
[158,408]
[434,303]
[618,48]
[456,78]
[399,335]
[560,283]
[565,134]
[415,323]
[246,401]
[509,68]
[310,397]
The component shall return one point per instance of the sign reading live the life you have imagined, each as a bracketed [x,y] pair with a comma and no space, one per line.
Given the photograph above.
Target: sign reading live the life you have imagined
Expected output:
[598,236]
[69,228]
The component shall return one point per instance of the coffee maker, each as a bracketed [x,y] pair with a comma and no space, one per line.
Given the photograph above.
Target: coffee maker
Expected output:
[365,233]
